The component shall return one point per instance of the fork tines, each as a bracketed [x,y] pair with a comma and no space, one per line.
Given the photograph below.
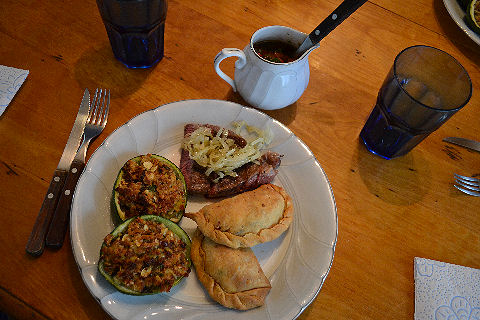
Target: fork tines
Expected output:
[99,107]
[468,185]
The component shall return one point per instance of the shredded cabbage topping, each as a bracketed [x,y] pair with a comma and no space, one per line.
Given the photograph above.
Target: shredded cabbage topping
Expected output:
[220,154]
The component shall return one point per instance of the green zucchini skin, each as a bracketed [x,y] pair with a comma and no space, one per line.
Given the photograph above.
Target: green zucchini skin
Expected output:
[119,230]
[469,19]
[177,214]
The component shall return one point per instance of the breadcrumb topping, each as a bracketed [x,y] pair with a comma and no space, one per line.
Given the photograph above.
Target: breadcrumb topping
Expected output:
[150,186]
[148,257]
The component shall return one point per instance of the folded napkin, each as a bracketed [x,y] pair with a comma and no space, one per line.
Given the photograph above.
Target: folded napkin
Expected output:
[446,291]
[11,79]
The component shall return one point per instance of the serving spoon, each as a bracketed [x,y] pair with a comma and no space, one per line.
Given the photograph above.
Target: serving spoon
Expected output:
[343,11]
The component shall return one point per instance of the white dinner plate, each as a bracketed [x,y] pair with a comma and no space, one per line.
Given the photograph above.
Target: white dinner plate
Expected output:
[458,15]
[297,263]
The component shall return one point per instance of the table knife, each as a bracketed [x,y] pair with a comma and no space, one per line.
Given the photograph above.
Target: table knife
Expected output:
[342,12]
[59,225]
[466,143]
[36,241]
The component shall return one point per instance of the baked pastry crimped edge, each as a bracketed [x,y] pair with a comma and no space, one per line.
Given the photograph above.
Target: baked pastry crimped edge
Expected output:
[242,300]
[249,239]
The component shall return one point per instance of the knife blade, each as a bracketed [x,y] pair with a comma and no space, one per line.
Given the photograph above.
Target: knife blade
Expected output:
[36,241]
[466,143]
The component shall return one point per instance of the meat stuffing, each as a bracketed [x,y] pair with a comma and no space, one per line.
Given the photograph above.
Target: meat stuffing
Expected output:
[146,258]
[150,186]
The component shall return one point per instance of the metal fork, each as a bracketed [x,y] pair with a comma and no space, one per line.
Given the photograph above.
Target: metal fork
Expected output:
[96,122]
[468,185]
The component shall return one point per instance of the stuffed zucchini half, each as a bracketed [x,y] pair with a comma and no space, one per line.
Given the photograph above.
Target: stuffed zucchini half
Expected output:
[149,184]
[145,255]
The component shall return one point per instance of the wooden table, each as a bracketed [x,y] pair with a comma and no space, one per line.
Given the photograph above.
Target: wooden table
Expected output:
[388,211]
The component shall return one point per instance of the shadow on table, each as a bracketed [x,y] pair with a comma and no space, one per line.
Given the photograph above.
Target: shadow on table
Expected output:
[285,115]
[455,34]
[397,181]
[98,68]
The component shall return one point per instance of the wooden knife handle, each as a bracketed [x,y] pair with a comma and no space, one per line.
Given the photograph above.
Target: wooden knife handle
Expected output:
[36,241]
[343,11]
[59,225]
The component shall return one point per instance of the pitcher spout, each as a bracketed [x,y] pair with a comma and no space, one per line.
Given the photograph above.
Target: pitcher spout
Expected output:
[307,53]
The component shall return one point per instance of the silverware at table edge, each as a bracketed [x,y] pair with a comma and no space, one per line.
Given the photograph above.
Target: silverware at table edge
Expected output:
[466,143]
[96,122]
[36,241]
[469,185]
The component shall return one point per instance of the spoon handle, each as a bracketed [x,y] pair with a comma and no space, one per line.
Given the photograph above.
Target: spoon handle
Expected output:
[343,11]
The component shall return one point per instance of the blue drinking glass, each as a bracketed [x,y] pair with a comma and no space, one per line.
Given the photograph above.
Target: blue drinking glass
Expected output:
[135,29]
[423,89]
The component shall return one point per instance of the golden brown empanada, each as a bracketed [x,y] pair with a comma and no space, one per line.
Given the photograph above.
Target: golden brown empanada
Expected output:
[232,277]
[250,218]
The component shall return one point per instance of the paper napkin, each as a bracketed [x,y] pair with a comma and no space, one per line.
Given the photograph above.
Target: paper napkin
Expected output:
[11,79]
[446,291]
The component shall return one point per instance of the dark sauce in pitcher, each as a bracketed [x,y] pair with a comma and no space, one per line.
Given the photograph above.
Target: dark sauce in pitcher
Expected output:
[275,51]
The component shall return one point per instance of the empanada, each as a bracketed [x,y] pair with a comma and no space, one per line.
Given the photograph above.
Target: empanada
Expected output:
[232,277]
[250,218]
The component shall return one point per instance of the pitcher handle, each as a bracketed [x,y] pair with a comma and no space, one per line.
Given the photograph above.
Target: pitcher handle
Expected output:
[239,64]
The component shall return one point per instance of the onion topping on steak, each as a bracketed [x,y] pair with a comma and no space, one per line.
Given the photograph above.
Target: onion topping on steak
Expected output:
[249,176]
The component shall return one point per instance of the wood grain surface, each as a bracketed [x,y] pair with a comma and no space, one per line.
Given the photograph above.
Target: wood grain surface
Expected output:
[388,211]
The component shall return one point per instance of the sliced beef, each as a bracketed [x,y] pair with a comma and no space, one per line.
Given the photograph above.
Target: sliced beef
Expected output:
[197,182]
[250,176]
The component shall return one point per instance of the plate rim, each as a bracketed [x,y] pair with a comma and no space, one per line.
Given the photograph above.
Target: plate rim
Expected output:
[452,7]
[332,197]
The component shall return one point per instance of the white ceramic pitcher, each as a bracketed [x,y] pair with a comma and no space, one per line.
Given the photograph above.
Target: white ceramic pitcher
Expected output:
[264,84]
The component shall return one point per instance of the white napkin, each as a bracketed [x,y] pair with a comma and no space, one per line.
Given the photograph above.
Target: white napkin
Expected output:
[11,79]
[446,291]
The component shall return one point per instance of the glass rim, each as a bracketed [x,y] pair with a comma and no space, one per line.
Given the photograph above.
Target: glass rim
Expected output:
[467,99]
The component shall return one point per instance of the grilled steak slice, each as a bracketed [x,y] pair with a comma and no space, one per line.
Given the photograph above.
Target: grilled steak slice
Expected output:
[197,182]
[250,176]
